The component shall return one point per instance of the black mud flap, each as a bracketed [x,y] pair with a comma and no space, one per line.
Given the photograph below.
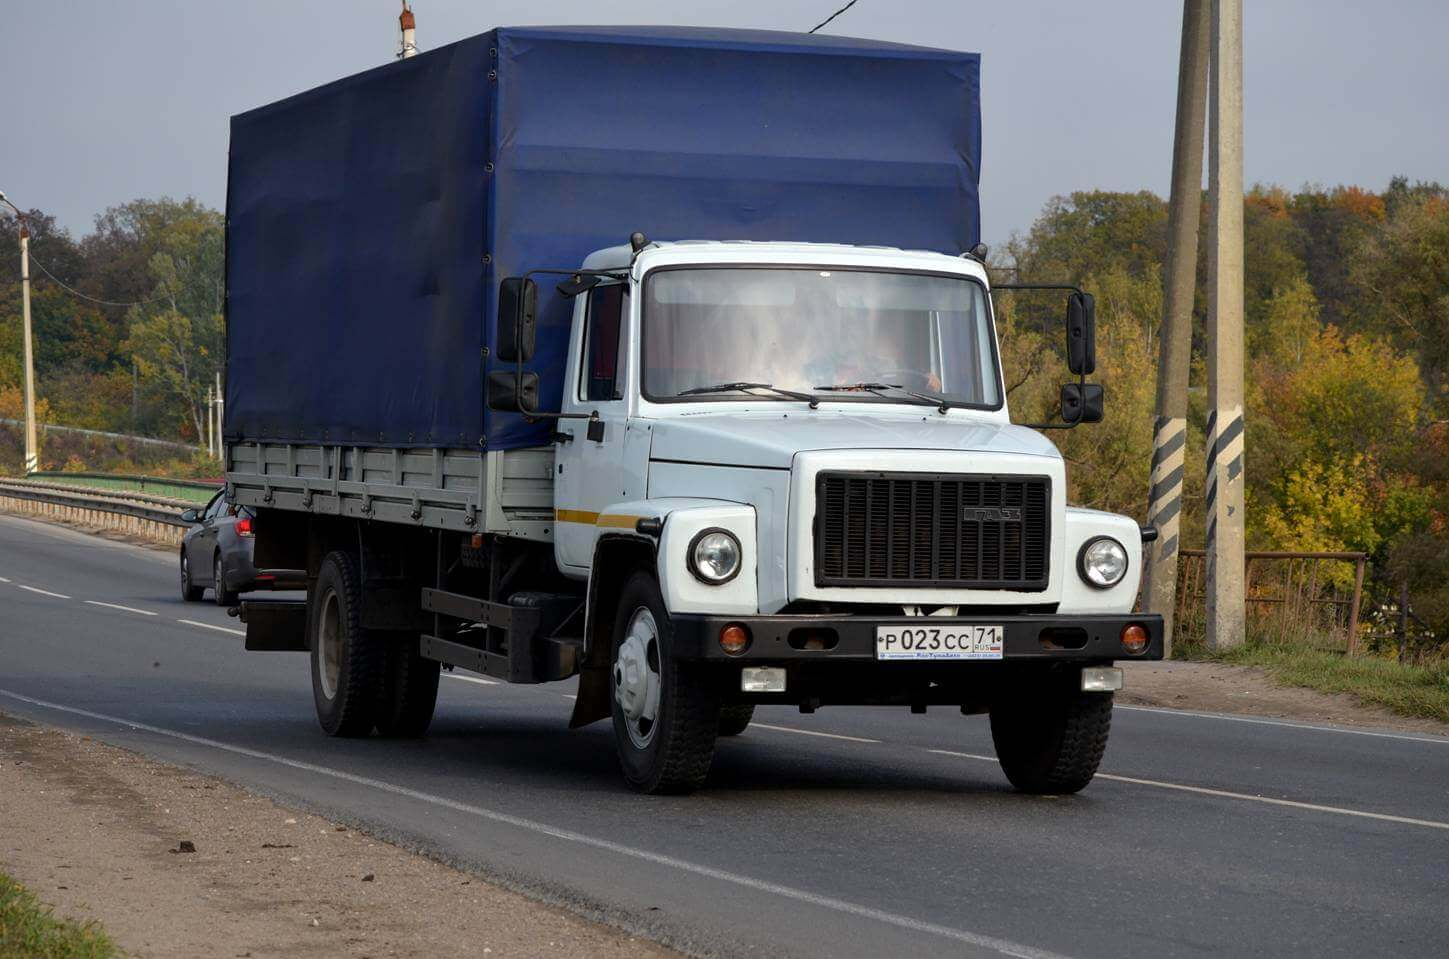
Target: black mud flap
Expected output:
[275,625]
[592,703]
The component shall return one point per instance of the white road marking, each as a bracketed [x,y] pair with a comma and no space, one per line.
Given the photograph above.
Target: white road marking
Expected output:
[568,696]
[1003,946]
[1441,740]
[3,580]
[124,609]
[219,629]
[43,592]
[1246,797]
[474,679]
[949,752]
[811,732]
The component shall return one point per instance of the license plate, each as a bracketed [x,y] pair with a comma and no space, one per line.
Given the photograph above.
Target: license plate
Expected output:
[908,641]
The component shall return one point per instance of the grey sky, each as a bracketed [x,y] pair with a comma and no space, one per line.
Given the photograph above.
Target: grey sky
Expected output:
[107,101]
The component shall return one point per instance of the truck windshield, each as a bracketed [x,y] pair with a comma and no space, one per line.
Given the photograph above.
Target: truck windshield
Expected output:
[842,334]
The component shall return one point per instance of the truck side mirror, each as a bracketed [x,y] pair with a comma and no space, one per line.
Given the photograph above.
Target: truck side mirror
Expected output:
[510,393]
[1081,333]
[517,319]
[1082,402]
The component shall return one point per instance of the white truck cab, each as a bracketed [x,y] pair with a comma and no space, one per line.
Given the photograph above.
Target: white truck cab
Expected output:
[798,460]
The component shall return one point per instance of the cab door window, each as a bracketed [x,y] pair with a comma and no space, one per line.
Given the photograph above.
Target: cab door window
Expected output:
[603,378]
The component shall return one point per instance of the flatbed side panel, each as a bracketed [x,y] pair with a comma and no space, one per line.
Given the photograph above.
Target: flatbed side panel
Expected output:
[504,493]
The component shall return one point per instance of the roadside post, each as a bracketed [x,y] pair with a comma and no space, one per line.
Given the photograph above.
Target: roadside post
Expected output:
[1226,618]
[1169,431]
[32,458]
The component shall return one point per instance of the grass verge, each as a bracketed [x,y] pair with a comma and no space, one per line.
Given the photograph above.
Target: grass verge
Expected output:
[1420,691]
[29,930]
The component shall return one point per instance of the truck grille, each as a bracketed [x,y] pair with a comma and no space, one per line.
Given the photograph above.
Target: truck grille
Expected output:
[920,529]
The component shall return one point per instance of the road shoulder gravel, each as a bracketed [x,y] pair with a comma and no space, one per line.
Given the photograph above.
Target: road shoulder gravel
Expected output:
[174,863]
[1246,691]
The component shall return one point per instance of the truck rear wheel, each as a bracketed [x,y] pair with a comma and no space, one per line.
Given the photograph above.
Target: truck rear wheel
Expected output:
[347,660]
[410,690]
[1051,742]
[666,713]
[735,718]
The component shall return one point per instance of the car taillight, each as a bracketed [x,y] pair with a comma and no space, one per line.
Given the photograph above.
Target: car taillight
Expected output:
[244,526]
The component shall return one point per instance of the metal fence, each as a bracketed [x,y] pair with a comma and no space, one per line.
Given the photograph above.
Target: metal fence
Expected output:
[1312,598]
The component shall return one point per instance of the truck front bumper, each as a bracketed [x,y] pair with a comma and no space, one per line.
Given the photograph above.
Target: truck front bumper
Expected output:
[800,639]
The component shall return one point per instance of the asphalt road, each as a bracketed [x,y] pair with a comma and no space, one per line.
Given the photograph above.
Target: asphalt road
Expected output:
[850,832]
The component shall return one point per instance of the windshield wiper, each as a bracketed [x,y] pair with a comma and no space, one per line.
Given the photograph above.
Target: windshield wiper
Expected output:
[941,403]
[814,401]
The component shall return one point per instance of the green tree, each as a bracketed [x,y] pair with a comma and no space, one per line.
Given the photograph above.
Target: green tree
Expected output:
[1288,324]
[1403,279]
[177,338]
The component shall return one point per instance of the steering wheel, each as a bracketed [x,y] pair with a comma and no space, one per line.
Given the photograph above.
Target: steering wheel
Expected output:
[910,379]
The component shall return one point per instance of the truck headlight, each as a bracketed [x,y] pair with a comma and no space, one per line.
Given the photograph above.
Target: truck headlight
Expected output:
[714,556]
[1102,562]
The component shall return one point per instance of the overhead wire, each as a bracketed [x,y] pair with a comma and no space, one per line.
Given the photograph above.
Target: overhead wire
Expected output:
[834,15]
[86,296]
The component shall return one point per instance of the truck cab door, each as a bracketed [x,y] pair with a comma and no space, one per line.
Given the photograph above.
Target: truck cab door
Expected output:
[591,462]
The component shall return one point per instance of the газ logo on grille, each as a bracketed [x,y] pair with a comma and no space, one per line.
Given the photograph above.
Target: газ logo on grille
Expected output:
[991,514]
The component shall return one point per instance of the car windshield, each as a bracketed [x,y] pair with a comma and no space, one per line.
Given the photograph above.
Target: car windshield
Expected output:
[842,334]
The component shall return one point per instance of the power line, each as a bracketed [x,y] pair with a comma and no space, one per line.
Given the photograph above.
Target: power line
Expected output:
[834,15]
[85,296]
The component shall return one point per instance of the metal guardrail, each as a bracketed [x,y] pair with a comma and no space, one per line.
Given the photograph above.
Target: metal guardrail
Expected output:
[156,509]
[131,478]
[128,437]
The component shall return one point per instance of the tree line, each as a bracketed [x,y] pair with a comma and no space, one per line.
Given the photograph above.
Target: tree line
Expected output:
[1346,314]
[1347,342]
[127,321]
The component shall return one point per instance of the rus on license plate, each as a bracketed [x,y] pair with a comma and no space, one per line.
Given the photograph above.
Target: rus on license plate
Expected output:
[958,641]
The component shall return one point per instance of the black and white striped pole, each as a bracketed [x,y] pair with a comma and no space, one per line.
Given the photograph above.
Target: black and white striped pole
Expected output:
[1224,491]
[1169,432]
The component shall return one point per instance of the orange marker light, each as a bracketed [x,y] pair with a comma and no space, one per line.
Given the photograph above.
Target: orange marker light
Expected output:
[1134,638]
[734,639]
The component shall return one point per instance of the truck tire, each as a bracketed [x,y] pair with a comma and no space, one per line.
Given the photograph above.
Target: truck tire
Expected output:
[410,690]
[1051,743]
[666,713]
[220,593]
[347,661]
[735,718]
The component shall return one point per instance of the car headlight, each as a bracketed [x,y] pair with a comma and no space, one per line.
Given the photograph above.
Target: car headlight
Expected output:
[1102,562]
[714,556]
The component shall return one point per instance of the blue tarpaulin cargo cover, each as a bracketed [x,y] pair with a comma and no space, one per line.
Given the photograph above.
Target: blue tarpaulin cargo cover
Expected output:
[370,220]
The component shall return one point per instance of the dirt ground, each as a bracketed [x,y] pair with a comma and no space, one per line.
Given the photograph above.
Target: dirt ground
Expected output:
[1218,688]
[99,833]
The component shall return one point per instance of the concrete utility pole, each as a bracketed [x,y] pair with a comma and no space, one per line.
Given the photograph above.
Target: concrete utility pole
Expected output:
[408,26]
[210,413]
[32,455]
[1169,432]
[1225,587]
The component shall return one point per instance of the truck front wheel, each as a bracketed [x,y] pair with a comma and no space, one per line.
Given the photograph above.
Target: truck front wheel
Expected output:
[347,661]
[735,719]
[666,713]
[1050,740]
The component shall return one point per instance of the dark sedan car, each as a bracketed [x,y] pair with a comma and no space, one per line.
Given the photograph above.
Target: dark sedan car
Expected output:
[217,552]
